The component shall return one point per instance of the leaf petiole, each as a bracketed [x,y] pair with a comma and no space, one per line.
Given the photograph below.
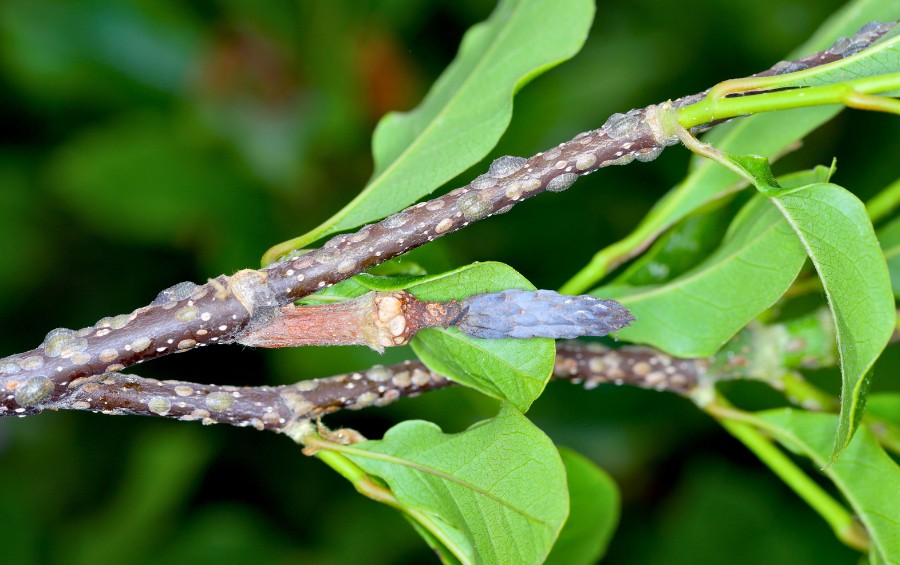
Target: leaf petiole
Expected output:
[858,93]
[746,429]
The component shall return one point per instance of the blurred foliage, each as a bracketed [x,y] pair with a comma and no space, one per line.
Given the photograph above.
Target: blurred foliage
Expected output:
[148,142]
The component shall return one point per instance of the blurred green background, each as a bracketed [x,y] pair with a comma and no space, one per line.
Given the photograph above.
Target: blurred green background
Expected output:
[146,142]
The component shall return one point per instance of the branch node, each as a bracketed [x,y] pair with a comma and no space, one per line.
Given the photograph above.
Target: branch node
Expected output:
[298,430]
[662,121]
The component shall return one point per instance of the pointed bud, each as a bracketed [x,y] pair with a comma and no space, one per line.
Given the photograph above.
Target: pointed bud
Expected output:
[541,313]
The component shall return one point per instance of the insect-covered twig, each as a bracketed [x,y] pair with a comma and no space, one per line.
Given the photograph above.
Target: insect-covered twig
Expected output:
[278,408]
[187,315]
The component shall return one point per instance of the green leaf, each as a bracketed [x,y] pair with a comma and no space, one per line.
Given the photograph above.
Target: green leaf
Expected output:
[465,113]
[681,248]
[501,368]
[883,203]
[768,135]
[889,238]
[885,405]
[446,552]
[836,232]
[495,493]
[358,285]
[696,313]
[593,512]
[869,70]
[695,237]
[882,418]
[758,168]
[866,476]
[763,134]
[509,369]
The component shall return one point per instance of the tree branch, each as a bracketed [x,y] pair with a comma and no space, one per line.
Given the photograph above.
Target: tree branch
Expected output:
[186,315]
[278,408]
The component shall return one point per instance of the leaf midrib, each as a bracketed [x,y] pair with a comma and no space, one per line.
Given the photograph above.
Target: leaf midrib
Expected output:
[393,459]
[503,361]
[684,281]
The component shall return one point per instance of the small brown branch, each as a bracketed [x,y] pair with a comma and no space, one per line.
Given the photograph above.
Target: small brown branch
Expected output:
[187,315]
[594,364]
[277,408]
[376,319]
[263,408]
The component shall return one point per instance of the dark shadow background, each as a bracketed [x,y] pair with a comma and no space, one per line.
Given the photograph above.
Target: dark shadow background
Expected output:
[146,142]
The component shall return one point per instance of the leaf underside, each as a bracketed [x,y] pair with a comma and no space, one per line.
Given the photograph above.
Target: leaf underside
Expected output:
[834,228]
[500,485]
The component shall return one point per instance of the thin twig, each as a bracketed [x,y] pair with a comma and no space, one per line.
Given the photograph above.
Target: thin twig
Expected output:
[277,408]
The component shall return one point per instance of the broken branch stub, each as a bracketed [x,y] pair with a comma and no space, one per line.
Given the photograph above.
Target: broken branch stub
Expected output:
[375,319]
[386,319]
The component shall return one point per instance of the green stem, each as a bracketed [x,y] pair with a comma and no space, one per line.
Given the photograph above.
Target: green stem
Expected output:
[608,259]
[708,151]
[346,468]
[740,425]
[810,397]
[805,394]
[853,93]
[887,433]
[329,453]
[663,216]
[803,287]
[884,202]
